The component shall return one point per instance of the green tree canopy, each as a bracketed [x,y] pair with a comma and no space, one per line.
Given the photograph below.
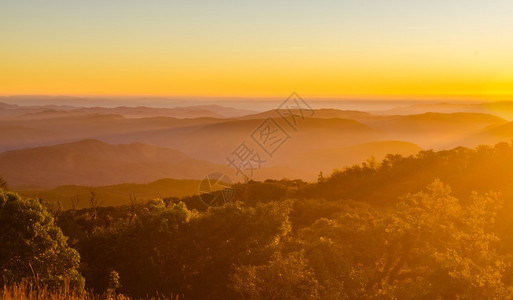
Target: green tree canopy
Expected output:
[32,246]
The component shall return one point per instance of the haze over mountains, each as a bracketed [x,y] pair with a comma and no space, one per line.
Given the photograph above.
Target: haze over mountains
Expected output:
[94,163]
[503,109]
[44,146]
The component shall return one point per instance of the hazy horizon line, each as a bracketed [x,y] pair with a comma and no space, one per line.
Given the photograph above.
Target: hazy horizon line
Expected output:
[455,98]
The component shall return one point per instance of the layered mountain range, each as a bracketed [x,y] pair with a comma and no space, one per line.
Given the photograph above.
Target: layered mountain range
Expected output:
[50,145]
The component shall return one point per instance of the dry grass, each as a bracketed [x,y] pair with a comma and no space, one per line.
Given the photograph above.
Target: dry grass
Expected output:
[28,291]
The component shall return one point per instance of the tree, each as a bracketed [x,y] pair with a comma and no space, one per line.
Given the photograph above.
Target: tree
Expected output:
[133,205]
[114,284]
[93,202]
[433,241]
[74,203]
[429,247]
[227,236]
[33,247]
[342,251]
[143,251]
[3,184]
[320,178]
[282,278]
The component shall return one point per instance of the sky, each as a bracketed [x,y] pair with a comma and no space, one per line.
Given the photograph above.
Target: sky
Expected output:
[454,49]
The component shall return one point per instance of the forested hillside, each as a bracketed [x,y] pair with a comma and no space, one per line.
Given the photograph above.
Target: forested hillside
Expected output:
[434,225]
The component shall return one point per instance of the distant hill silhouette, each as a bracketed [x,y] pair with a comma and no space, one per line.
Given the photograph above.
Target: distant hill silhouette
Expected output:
[115,195]
[92,162]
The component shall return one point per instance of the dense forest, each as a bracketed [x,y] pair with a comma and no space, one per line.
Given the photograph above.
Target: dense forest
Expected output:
[433,225]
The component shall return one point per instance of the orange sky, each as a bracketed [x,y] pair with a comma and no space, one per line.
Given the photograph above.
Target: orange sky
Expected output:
[331,49]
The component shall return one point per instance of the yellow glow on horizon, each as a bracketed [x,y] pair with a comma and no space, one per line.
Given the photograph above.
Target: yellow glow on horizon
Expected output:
[271,76]
[181,50]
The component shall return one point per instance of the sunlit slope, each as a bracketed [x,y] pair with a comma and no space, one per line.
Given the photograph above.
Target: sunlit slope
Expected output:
[483,169]
[327,159]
